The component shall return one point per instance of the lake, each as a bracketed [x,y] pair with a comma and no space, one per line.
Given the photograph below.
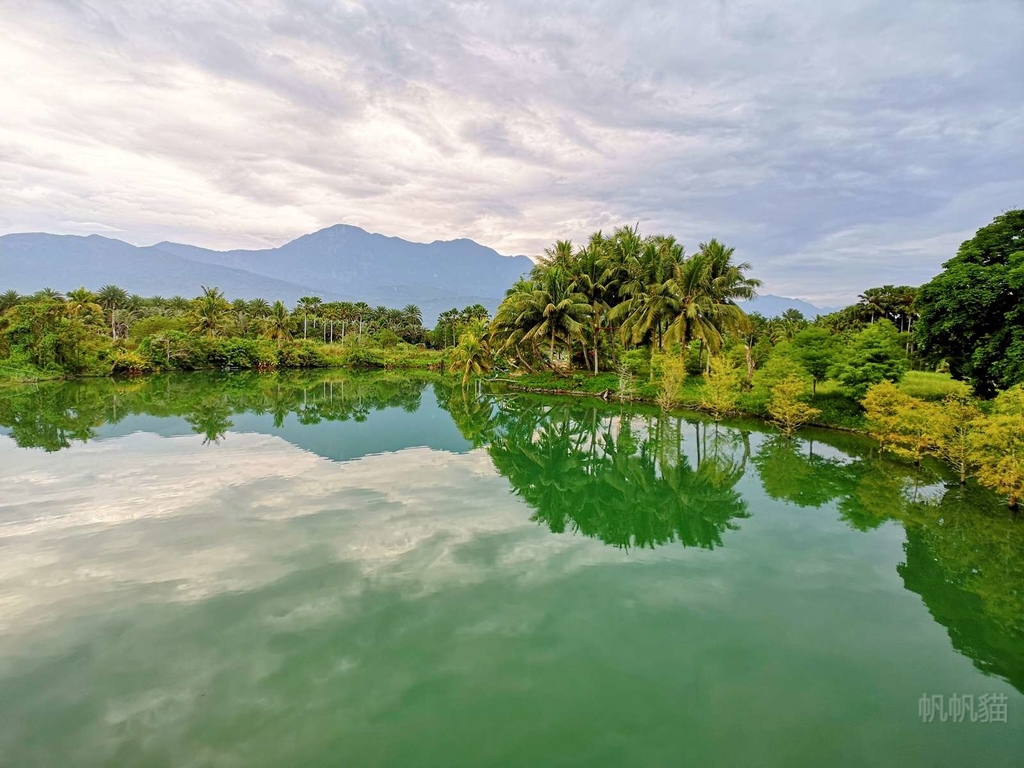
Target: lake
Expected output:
[387,569]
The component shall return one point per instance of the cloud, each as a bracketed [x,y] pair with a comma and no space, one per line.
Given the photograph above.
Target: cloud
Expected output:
[784,129]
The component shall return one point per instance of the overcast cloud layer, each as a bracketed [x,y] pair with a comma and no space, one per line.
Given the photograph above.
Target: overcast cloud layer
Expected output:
[837,145]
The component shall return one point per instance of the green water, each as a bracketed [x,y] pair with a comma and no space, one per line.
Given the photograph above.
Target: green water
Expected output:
[338,570]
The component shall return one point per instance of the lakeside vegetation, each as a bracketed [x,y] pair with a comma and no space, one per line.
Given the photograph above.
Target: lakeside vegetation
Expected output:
[52,335]
[627,317]
[635,317]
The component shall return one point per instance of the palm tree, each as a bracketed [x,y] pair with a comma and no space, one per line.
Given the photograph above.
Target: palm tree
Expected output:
[308,305]
[650,301]
[259,308]
[707,287]
[111,298]
[9,299]
[472,355]
[210,312]
[82,301]
[563,313]
[279,324]
[413,314]
[48,294]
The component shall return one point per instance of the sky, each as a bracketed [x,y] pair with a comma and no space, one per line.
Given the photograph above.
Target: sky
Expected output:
[837,146]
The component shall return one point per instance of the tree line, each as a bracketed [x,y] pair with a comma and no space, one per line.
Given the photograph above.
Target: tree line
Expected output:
[111,331]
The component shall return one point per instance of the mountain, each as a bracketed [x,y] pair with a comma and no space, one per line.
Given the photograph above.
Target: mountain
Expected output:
[773,306]
[338,263]
[29,262]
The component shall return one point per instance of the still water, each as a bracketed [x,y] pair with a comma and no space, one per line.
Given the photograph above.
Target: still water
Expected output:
[340,570]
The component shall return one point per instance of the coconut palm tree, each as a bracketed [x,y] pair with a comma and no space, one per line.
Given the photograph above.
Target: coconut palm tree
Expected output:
[210,313]
[472,356]
[279,324]
[563,311]
[259,308]
[650,301]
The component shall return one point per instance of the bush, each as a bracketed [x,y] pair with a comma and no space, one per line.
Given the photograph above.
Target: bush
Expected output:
[243,353]
[301,354]
[637,363]
[386,338]
[363,357]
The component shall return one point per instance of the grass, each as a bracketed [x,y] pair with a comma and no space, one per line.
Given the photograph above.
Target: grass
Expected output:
[931,386]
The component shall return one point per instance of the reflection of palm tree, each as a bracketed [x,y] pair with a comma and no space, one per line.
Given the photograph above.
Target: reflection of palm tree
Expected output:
[595,476]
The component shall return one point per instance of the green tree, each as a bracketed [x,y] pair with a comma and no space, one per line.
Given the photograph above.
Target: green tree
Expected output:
[210,313]
[971,313]
[814,349]
[871,356]
[279,324]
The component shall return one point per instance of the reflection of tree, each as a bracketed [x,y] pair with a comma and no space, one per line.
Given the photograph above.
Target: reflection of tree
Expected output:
[598,474]
[210,418]
[54,415]
[965,557]
[49,416]
[791,471]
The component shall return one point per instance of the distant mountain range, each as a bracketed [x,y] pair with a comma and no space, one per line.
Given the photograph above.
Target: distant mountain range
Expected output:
[339,263]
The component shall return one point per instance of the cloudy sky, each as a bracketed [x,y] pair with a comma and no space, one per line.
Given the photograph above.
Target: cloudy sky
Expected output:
[837,145]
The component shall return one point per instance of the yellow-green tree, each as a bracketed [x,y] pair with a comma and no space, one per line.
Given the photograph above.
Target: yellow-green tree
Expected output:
[998,446]
[883,404]
[787,407]
[954,422]
[673,376]
[902,424]
[721,389]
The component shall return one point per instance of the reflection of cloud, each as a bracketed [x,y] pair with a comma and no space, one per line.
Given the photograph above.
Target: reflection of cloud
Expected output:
[171,519]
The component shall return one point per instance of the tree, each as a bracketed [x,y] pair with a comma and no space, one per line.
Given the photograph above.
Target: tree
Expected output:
[112,298]
[9,299]
[998,446]
[472,355]
[673,376]
[971,314]
[787,406]
[210,313]
[308,305]
[884,404]
[721,389]
[279,325]
[954,423]
[813,349]
[871,356]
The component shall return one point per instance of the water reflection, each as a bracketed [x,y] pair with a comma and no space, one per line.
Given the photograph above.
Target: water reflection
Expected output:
[630,477]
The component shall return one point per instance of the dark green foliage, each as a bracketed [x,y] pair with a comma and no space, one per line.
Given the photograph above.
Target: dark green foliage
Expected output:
[814,349]
[972,314]
[870,356]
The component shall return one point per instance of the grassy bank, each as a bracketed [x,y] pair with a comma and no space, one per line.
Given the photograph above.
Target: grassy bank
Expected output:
[838,410]
[195,354]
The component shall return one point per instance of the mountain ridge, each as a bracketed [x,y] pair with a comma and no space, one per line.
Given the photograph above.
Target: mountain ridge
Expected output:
[337,263]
